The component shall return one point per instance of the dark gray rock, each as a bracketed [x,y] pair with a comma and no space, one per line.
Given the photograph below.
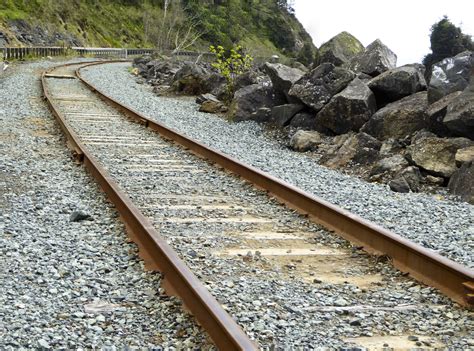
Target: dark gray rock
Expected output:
[358,148]
[142,60]
[250,77]
[161,72]
[249,99]
[436,155]
[215,84]
[397,83]
[282,115]
[459,118]
[376,59]
[436,113]
[364,77]
[304,120]
[78,216]
[406,180]
[450,75]
[462,182]
[349,109]
[399,119]
[189,79]
[304,140]
[317,87]
[282,77]
[399,185]
[339,49]
[412,176]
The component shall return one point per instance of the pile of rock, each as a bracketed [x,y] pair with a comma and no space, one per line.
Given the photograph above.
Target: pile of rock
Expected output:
[355,107]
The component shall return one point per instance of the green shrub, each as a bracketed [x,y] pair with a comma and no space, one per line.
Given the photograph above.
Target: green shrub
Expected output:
[231,64]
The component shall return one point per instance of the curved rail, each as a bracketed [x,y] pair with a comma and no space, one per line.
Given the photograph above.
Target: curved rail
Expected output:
[178,278]
[451,278]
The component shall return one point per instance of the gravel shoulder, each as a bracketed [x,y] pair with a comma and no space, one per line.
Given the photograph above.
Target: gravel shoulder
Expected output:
[68,284]
[436,222]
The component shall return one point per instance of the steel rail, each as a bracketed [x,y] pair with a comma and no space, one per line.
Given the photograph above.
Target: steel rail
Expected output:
[453,279]
[157,254]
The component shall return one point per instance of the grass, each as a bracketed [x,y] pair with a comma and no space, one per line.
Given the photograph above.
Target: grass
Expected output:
[121,23]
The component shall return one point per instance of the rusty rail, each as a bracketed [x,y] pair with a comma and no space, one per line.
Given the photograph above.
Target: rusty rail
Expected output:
[157,254]
[451,278]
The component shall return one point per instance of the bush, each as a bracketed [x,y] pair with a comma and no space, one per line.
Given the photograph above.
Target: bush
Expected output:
[231,64]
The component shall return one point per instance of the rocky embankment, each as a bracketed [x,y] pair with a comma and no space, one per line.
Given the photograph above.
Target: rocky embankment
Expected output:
[355,110]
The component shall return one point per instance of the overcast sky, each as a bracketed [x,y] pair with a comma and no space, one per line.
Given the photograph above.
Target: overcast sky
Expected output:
[403,25]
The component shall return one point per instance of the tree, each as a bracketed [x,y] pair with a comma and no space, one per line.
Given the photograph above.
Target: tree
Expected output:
[174,30]
[447,40]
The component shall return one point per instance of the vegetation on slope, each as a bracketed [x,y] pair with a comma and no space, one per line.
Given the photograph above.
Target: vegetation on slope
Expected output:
[265,27]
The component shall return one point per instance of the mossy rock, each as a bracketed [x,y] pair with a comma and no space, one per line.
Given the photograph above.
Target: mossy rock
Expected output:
[340,49]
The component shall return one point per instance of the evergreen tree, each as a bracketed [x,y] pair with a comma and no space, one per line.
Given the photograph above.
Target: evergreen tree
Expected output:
[447,40]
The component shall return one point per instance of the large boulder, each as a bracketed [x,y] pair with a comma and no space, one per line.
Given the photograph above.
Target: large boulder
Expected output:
[349,109]
[283,77]
[459,118]
[399,82]
[304,140]
[399,119]
[462,182]
[160,72]
[253,76]
[142,60]
[358,148]
[215,84]
[436,113]
[450,75]
[282,115]
[436,155]
[339,49]
[317,87]
[189,79]
[249,99]
[376,59]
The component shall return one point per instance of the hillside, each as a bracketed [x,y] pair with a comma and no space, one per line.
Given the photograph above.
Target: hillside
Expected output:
[265,27]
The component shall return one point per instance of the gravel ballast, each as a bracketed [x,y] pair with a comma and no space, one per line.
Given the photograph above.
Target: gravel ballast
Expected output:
[203,212]
[69,277]
[440,224]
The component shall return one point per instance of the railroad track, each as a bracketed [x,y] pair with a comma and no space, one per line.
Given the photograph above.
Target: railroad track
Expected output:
[160,187]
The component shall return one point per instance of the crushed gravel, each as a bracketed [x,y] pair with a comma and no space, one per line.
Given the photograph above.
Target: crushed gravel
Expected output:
[439,223]
[69,277]
[270,300]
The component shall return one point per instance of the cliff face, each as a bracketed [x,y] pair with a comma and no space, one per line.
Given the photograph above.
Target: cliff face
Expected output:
[265,27]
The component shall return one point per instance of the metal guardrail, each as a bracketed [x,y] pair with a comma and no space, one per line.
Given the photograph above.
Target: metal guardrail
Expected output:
[17,53]
[22,53]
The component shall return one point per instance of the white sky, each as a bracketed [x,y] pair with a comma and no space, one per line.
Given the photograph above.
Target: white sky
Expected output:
[402,25]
